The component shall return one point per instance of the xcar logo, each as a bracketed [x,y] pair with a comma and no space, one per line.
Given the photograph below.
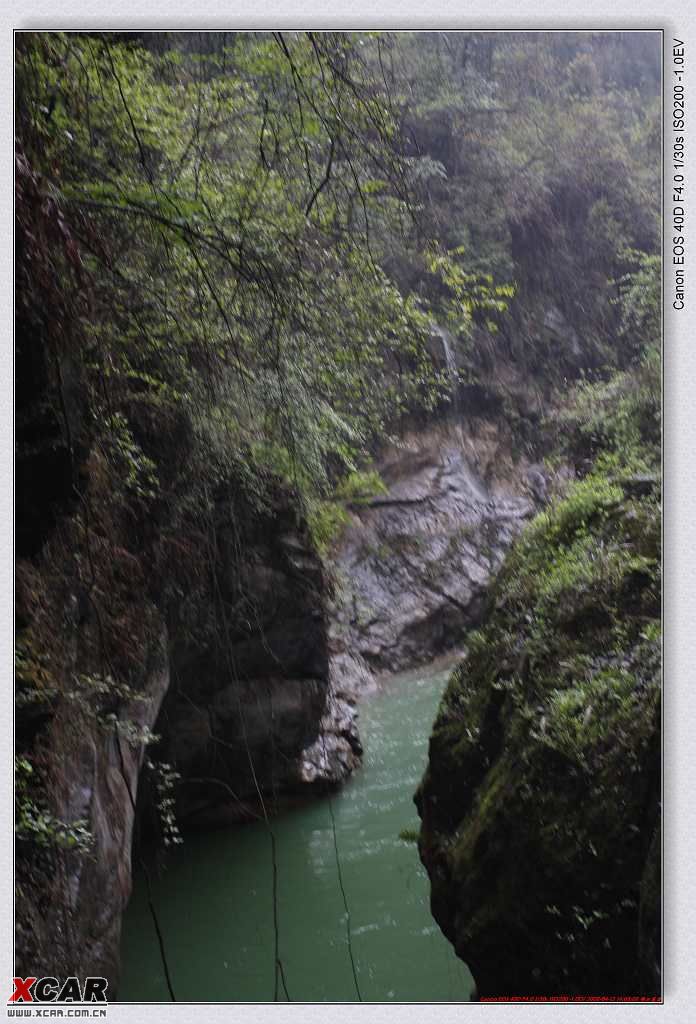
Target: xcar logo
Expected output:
[50,990]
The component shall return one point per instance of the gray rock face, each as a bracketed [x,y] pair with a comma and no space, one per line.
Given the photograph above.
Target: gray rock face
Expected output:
[562,332]
[415,564]
[273,708]
[250,713]
[237,698]
[77,929]
[337,750]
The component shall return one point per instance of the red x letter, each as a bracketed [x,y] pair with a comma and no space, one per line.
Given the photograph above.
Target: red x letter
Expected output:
[21,990]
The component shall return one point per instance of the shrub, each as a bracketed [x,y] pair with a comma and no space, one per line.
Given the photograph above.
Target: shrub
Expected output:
[360,486]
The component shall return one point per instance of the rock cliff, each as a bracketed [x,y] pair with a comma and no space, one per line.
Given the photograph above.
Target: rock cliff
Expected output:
[250,691]
[415,563]
[220,673]
[540,804]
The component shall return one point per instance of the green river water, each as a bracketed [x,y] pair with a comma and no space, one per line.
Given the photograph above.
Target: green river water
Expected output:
[214,897]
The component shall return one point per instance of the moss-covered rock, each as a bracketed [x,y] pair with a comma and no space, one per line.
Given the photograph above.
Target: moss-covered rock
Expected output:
[540,804]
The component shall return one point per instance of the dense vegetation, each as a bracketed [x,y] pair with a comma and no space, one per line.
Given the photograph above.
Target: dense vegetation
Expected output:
[249,233]
[543,786]
[233,250]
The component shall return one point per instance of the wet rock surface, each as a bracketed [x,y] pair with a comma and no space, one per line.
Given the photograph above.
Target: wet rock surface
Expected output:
[71,920]
[337,750]
[251,694]
[415,564]
[540,805]
[236,687]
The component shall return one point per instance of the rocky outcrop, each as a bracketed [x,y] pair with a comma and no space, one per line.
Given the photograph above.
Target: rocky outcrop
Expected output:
[337,750]
[415,563]
[249,706]
[72,902]
[229,675]
[541,801]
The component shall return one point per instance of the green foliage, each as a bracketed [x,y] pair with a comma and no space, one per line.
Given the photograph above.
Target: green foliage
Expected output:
[165,779]
[541,167]
[88,695]
[265,259]
[231,199]
[588,501]
[35,824]
[578,715]
[33,678]
[88,691]
[326,520]
[262,229]
[467,294]
[360,486]
[132,466]
[616,422]
[409,835]
[583,76]
[576,561]
[640,300]
[618,419]
[135,735]
[546,746]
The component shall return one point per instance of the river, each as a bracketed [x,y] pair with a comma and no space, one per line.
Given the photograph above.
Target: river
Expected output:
[214,897]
